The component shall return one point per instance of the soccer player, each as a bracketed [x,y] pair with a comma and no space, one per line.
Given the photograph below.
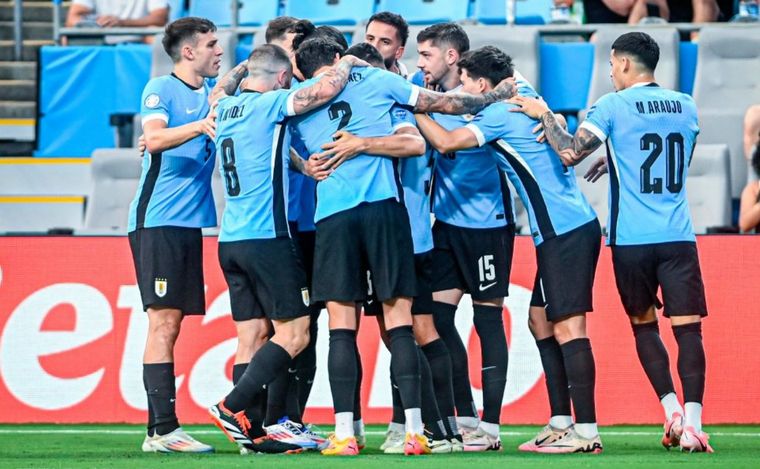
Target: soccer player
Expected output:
[388,32]
[172,203]
[473,236]
[256,251]
[650,134]
[566,233]
[362,224]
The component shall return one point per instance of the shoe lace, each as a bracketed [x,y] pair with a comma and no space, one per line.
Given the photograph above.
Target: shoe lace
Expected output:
[242,421]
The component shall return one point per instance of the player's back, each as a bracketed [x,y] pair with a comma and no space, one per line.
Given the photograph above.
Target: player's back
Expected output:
[362,108]
[651,135]
[175,186]
[253,146]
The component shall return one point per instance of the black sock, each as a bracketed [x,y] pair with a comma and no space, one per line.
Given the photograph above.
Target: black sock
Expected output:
[430,415]
[256,410]
[556,378]
[493,349]
[440,367]
[277,397]
[151,428]
[292,403]
[358,391]
[691,361]
[341,369]
[405,365]
[581,376]
[307,367]
[265,366]
[398,408]
[443,315]
[653,357]
[159,380]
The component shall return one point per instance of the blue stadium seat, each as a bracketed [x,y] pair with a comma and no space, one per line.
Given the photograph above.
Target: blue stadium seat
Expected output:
[427,11]
[251,12]
[526,11]
[338,12]
[176,9]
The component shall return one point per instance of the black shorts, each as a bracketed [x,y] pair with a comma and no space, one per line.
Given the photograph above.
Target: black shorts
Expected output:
[372,236]
[305,248]
[674,267]
[477,261]
[422,303]
[266,279]
[566,268]
[169,267]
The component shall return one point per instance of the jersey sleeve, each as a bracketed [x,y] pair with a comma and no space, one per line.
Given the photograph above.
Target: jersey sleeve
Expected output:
[490,124]
[280,103]
[399,89]
[402,117]
[156,101]
[599,118]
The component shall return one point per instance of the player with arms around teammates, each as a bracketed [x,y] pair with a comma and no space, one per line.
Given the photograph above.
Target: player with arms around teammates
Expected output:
[650,134]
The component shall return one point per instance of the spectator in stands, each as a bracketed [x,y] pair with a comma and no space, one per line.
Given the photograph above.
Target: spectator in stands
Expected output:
[633,11]
[751,132]
[749,208]
[118,13]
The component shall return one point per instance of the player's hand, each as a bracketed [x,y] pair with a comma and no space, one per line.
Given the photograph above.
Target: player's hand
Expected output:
[540,128]
[141,146]
[314,167]
[107,21]
[508,83]
[532,107]
[208,124]
[597,170]
[354,61]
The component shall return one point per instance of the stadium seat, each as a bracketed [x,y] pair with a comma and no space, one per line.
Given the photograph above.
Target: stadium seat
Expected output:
[708,187]
[426,11]
[337,12]
[250,12]
[726,84]
[519,43]
[526,11]
[115,176]
[176,9]
[161,63]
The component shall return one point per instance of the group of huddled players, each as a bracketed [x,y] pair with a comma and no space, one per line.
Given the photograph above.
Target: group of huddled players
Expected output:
[333,160]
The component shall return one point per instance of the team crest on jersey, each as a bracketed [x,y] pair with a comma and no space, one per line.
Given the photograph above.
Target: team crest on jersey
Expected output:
[468,117]
[160,286]
[305,296]
[152,100]
[400,113]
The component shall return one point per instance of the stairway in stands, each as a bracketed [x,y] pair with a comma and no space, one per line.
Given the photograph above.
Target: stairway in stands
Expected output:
[18,79]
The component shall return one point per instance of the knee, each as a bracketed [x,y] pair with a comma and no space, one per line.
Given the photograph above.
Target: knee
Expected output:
[165,329]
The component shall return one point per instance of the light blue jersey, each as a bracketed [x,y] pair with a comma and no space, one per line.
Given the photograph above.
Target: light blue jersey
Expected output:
[175,185]
[650,133]
[416,174]
[254,148]
[548,189]
[362,108]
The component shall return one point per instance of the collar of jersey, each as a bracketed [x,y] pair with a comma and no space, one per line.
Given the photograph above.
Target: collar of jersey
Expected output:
[644,83]
[186,83]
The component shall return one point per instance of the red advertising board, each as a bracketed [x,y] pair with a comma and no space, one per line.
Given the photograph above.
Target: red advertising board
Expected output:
[72,332]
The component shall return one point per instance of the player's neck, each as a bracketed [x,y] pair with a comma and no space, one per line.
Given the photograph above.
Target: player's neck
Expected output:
[642,79]
[451,80]
[185,73]
[260,86]
[321,70]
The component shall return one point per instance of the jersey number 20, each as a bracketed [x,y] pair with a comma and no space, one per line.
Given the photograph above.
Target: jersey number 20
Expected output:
[674,163]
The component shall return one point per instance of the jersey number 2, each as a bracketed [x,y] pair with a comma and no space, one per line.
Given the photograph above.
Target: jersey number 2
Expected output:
[231,181]
[342,110]
[674,165]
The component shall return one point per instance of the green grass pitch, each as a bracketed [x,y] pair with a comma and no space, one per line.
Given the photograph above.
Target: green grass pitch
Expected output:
[118,446]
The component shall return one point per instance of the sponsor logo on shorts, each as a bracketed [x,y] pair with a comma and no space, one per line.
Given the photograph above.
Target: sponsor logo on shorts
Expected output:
[160,286]
[482,287]
[305,296]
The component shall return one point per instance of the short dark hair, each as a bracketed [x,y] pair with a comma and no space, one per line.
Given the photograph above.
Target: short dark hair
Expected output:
[324,31]
[488,62]
[315,53]
[181,30]
[268,59]
[279,27]
[304,30]
[392,19]
[368,53]
[641,47]
[446,33]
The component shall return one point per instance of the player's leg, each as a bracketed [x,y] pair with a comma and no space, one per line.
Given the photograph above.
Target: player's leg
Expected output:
[252,335]
[307,360]
[684,297]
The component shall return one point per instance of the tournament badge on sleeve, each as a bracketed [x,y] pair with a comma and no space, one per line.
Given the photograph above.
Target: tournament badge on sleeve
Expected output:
[160,286]
[305,296]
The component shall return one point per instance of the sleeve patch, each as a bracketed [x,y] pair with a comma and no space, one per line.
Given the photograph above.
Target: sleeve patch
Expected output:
[152,101]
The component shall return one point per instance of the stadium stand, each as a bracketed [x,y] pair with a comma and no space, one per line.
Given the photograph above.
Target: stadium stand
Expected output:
[335,12]
[115,176]
[708,188]
[526,11]
[250,12]
[521,44]
[726,84]
[426,11]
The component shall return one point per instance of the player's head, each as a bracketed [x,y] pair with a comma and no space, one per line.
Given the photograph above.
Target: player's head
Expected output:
[193,40]
[317,53]
[269,65]
[756,160]
[440,46]
[484,68]
[633,56]
[368,53]
[281,30]
[388,32]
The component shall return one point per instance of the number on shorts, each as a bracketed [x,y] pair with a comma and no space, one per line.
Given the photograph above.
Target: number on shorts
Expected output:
[486,269]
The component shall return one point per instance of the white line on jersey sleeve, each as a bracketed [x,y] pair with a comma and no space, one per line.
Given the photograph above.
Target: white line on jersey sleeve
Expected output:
[594,130]
[478,134]
[154,116]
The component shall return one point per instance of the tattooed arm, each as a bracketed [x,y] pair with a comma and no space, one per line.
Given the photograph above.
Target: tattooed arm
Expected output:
[463,103]
[329,86]
[572,149]
[227,85]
